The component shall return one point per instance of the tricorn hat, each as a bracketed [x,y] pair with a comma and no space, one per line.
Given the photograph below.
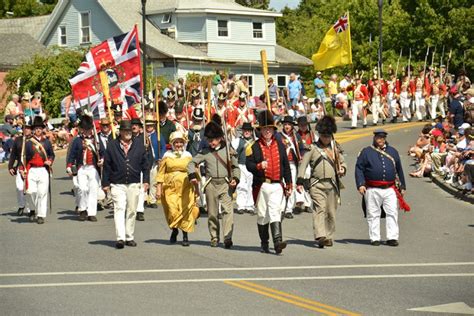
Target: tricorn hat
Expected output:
[125,125]
[86,122]
[327,125]
[288,119]
[38,122]
[265,119]
[213,129]
[136,121]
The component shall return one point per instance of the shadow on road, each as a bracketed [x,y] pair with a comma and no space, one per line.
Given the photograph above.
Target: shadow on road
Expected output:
[108,243]
[70,215]
[20,220]
[201,243]
[354,241]
[66,193]
[63,178]
[306,243]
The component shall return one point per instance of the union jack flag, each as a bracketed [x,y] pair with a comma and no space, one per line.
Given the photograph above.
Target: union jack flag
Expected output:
[119,58]
[341,24]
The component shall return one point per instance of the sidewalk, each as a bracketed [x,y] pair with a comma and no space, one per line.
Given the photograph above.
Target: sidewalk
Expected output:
[438,180]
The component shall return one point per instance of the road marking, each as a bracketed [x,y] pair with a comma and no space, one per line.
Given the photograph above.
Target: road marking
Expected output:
[348,266]
[299,298]
[452,308]
[387,128]
[280,298]
[347,136]
[334,277]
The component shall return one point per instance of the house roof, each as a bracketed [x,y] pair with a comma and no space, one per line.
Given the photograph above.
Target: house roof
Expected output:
[17,48]
[31,25]
[127,13]
[207,6]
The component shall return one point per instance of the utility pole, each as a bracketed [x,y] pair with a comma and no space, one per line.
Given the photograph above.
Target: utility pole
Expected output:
[143,46]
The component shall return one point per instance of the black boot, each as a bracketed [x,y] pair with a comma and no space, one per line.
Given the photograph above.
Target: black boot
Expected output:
[185,239]
[264,236]
[278,242]
[174,235]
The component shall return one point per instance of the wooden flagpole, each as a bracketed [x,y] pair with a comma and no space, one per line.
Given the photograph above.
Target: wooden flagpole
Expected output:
[263,57]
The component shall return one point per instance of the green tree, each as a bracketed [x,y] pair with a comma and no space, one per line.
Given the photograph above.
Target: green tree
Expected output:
[48,73]
[257,4]
[24,8]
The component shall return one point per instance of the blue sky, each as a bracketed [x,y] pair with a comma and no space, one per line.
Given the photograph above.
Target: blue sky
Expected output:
[280,4]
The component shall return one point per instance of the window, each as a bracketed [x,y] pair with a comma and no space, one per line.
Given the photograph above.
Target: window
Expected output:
[257,30]
[222,28]
[62,35]
[85,25]
[250,84]
[281,81]
[166,18]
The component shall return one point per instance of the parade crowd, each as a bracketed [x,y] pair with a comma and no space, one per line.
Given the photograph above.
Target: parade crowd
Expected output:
[223,151]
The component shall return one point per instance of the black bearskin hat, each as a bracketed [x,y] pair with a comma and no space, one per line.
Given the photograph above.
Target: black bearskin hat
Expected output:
[265,118]
[86,122]
[213,129]
[327,125]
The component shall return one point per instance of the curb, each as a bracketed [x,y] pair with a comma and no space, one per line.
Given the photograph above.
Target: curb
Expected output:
[453,191]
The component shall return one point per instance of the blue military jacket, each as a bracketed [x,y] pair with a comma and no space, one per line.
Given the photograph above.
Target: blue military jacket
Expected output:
[76,153]
[372,165]
[30,149]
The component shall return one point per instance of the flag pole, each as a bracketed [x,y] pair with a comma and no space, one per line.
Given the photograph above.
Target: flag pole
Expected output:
[208,99]
[263,57]
[350,39]
[105,89]
[158,132]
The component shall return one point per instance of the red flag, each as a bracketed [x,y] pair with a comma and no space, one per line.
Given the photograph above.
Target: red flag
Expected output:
[119,57]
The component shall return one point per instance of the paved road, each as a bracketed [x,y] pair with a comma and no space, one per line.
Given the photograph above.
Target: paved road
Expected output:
[71,267]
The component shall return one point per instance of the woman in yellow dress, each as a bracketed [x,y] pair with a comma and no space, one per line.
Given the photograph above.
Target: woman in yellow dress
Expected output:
[174,189]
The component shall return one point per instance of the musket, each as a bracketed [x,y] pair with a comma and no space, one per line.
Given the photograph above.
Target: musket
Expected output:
[432,63]
[409,66]
[209,83]
[447,64]
[426,59]
[337,167]
[370,51]
[441,58]
[398,63]
[227,149]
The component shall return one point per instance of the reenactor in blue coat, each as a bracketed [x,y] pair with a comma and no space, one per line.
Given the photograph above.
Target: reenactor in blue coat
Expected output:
[125,160]
[39,157]
[379,178]
[86,157]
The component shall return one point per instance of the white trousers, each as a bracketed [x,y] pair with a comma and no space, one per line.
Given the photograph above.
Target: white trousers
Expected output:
[405,106]
[244,190]
[270,203]
[125,197]
[77,191]
[295,197]
[141,201]
[88,180]
[392,105]
[20,195]
[38,183]
[436,104]
[358,110]
[420,108]
[152,192]
[375,198]
[377,109]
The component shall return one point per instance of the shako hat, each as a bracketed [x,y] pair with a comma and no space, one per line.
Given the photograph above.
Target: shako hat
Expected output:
[38,122]
[243,95]
[213,129]
[302,120]
[86,122]
[162,108]
[288,119]
[180,92]
[198,113]
[170,95]
[327,125]
[195,93]
[222,96]
[265,119]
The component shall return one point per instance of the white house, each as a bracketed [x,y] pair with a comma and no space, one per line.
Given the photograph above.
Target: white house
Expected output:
[182,35]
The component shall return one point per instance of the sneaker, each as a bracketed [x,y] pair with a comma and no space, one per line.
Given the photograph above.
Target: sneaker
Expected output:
[92,219]
[130,243]
[120,244]
[140,217]
[40,220]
